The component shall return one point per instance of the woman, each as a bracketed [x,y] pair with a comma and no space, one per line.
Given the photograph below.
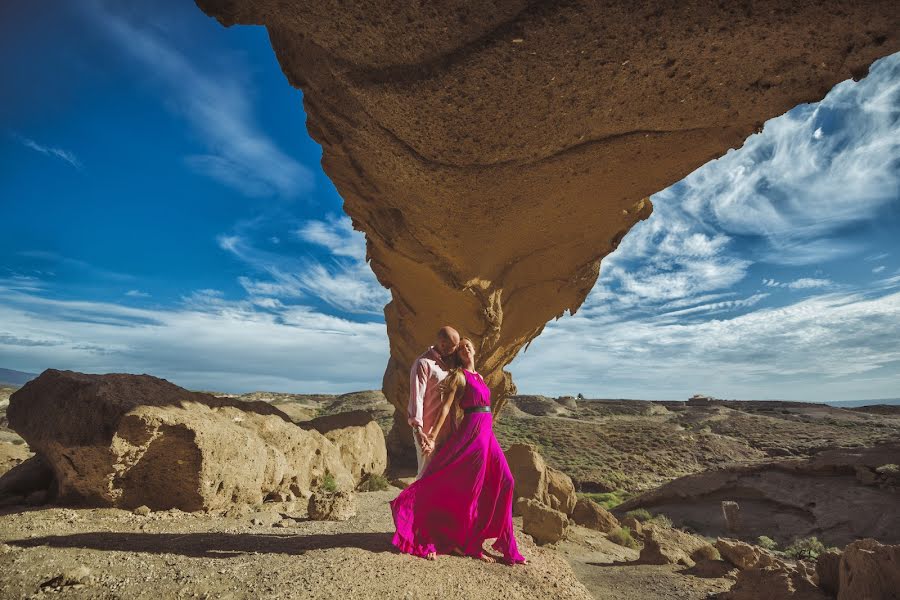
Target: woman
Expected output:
[465,494]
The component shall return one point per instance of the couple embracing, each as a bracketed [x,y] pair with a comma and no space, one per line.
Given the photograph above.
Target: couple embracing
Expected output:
[463,492]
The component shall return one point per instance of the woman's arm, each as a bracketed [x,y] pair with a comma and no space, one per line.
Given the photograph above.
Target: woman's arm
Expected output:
[448,395]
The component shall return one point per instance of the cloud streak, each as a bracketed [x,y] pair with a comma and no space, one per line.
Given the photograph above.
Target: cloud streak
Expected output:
[240,155]
[63,155]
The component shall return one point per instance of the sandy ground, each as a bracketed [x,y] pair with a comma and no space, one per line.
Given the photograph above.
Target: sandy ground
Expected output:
[198,555]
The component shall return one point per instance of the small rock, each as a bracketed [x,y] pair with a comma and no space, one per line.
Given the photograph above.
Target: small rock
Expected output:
[142,510]
[636,527]
[71,577]
[671,546]
[332,506]
[263,518]
[743,555]
[732,512]
[590,514]
[285,523]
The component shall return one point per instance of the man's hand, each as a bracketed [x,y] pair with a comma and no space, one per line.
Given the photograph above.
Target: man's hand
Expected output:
[427,445]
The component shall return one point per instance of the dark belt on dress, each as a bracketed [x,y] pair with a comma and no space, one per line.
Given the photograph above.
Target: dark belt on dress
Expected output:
[477,409]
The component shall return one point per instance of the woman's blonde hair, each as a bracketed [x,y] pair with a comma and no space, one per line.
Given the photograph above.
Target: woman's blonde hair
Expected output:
[455,380]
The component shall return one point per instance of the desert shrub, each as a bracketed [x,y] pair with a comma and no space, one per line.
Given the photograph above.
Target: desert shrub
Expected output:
[766,542]
[622,537]
[661,520]
[640,514]
[808,548]
[888,469]
[328,483]
[374,483]
[607,500]
[707,553]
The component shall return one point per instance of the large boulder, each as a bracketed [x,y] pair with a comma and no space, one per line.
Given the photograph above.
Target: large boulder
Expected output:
[359,439]
[131,440]
[529,472]
[561,491]
[779,581]
[869,569]
[743,555]
[544,524]
[828,570]
[663,545]
[588,513]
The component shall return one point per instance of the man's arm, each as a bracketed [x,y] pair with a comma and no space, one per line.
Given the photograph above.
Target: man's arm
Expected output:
[418,378]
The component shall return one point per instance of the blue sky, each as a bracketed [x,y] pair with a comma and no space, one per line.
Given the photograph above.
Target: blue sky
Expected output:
[164,212]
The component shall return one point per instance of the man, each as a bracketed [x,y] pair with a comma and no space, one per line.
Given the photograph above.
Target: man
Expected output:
[425,378]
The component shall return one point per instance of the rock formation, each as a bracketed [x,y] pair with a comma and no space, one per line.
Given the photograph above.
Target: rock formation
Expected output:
[869,570]
[790,499]
[493,154]
[663,545]
[132,440]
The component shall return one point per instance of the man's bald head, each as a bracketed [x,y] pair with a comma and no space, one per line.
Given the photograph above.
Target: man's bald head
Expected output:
[447,340]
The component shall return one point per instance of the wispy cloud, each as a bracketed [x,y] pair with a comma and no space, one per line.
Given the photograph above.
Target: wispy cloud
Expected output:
[218,107]
[64,155]
[343,280]
[137,294]
[59,261]
[207,342]
[804,283]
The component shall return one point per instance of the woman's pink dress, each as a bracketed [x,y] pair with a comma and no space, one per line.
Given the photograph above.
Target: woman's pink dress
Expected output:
[465,493]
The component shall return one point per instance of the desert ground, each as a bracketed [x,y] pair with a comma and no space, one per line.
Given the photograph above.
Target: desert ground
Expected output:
[613,450]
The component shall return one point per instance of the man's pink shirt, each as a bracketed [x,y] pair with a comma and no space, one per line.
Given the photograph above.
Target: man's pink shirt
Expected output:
[424,390]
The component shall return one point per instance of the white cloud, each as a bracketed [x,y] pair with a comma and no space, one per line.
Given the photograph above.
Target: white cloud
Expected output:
[218,107]
[208,343]
[344,281]
[804,283]
[829,347]
[59,153]
[137,294]
[878,269]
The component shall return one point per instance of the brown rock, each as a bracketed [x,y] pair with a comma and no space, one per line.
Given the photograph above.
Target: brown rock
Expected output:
[636,527]
[743,555]
[29,476]
[777,582]
[127,440]
[869,569]
[332,506]
[588,513]
[828,570]
[350,418]
[732,512]
[362,449]
[529,472]
[544,524]
[537,155]
[670,546]
[402,482]
[561,491]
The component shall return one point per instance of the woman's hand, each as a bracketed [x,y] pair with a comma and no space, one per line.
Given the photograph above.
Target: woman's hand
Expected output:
[427,444]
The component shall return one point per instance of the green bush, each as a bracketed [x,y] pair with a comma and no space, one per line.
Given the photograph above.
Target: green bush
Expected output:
[622,537]
[706,553]
[640,514]
[374,483]
[328,483]
[889,469]
[662,521]
[607,500]
[766,542]
[808,548]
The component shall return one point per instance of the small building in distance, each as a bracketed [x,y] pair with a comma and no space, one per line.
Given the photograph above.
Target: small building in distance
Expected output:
[700,400]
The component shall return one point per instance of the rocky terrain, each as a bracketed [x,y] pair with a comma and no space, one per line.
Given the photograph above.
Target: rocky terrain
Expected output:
[797,473]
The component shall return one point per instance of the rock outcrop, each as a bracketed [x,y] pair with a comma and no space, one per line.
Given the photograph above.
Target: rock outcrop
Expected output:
[544,524]
[494,153]
[588,513]
[869,569]
[789,499]
[743,555]
[780,581]
[359,439]
[663,545]
[131,440]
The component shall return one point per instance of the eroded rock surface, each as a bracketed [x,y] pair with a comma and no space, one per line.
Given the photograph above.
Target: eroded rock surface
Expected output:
[494,153]
[789,499]
[131,440]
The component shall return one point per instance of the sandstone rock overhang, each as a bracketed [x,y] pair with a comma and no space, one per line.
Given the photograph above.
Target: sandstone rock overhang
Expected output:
[494,153]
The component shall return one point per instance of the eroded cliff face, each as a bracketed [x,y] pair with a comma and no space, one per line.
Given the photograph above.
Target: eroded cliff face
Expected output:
[494,152]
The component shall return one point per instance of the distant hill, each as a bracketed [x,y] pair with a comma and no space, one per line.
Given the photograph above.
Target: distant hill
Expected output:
[855,403]
[10,377]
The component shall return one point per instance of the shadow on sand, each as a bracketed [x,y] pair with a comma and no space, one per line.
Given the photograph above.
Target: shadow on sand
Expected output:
[212,545]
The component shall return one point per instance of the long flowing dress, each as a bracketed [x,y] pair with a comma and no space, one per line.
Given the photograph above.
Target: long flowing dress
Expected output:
[465,494]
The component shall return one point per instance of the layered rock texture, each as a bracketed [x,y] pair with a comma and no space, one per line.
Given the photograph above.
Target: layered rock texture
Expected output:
[791,499]
[494,153]
[131,440]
